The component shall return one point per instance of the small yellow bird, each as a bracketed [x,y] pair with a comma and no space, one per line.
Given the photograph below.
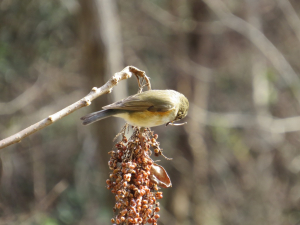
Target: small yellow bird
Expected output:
[147,109]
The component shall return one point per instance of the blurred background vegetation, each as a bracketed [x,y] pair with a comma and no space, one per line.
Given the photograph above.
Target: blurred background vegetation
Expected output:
[237,161]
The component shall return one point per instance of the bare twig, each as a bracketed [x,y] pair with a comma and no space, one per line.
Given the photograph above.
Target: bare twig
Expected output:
[56,191]
[290,15]
[241,26]
[126,73]
[169,20]
[241,120]
[23,99]
[260,41]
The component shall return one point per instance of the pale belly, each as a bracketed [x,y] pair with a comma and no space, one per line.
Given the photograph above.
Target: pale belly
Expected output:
[148,119]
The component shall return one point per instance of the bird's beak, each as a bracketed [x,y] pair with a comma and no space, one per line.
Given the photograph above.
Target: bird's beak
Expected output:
[175,124]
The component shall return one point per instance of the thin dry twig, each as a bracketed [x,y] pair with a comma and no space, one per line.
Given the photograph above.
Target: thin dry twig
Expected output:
[53,194]
[241,26]
[260,41]
[126,73]
[270,124]
[23,99]
[290,15]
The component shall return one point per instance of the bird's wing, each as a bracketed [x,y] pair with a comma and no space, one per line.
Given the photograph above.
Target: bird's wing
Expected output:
[135,103]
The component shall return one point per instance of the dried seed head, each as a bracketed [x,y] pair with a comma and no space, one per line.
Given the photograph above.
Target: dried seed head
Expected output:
[134,179]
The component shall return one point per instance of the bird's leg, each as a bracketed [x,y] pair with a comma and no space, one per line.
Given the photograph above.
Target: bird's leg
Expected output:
[123,131]
[142,129]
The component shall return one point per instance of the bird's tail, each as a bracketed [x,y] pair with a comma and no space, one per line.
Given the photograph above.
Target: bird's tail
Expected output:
[95,116]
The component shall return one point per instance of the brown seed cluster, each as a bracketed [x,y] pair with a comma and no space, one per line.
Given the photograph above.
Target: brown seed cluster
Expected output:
[130,180]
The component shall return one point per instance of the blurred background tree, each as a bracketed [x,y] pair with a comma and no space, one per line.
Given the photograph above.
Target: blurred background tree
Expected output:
[237,161]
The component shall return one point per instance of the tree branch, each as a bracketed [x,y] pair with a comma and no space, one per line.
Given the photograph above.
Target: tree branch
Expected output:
[126,73]
[270,51]
[267,123]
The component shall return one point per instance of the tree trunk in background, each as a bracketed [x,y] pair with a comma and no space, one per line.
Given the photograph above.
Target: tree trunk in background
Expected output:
[199,47]
[189,207]
[110,31]
[95,67]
